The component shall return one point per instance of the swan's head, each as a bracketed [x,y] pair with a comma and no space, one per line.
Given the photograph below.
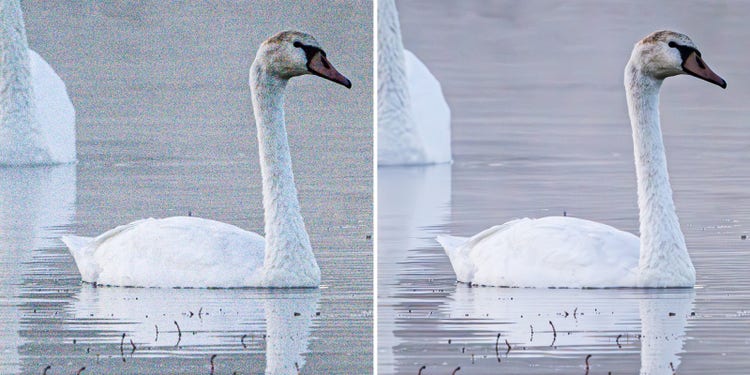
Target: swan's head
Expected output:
[666,53]
[292,53]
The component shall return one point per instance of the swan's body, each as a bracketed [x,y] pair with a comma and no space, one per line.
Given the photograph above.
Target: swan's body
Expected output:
[413,117]
[570,252]
[524,252]
[194,252]
[37,119]
[175,251]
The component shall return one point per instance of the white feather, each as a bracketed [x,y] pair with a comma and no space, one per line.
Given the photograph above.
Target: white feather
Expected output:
[413,116]
[37,118]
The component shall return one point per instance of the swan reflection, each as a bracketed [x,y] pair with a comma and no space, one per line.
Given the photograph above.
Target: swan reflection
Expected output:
[277,322]
[583,319]
[35,202]
[413,202]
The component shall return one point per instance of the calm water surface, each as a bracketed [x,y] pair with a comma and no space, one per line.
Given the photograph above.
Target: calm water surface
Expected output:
[165,128]
[540,127]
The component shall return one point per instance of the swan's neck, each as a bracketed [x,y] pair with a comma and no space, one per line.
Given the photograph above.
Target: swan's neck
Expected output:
[399,140]
[19,137]
[288,258]
[664,260]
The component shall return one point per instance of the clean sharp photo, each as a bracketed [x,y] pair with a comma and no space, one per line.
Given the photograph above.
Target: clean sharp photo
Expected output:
[562,187]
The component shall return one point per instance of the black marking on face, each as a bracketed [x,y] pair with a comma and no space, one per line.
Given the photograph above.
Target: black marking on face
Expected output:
[685,51]
[310,51]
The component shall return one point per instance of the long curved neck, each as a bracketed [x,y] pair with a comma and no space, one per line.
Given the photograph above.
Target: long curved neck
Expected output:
[19,137]
[664,260]
[399,138]
[288,254]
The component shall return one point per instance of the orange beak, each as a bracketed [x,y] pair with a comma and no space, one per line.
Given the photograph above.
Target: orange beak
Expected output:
[320,66]
[695,66]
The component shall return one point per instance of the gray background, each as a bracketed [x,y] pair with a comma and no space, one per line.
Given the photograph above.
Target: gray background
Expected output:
[540,127]
[165,127]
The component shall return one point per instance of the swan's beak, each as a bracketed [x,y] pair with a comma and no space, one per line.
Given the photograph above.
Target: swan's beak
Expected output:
[695,66]
[320,66]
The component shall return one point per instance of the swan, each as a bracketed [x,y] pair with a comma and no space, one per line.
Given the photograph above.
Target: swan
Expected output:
[202,253]
[576,253]
[413,118]
[37,118]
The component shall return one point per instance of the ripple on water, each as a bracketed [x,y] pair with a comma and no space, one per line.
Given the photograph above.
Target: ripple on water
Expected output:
[532,137]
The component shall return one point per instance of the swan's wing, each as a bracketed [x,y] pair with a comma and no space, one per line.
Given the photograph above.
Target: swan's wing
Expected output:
[83,255]
[84,249]
[551,252]
[459,250]
[454,248]
[172,252]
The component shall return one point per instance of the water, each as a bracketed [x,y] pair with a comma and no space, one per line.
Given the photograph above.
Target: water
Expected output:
[165,128]
[540,127]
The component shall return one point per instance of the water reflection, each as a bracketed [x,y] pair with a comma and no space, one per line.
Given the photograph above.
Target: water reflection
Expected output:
[412,201]
[424,318]
[582,321]
[663,322]
[35,202]
[159,140]
[532,137]
[277,322]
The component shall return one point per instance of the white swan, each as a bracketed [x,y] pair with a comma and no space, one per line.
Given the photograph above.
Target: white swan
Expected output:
[37,119]
[569,252]
[193,252]
[413,118]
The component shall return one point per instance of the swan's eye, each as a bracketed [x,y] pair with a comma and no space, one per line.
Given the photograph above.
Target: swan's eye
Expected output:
[298,44]
[685,51]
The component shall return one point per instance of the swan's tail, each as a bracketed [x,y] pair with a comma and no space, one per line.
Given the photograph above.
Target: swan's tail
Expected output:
[462,266]
[82,249]
[451,243]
